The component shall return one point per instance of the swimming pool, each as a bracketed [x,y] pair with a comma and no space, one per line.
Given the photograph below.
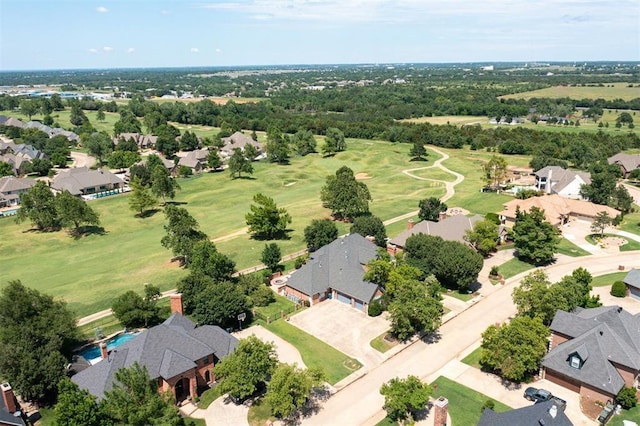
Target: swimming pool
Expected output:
[92,353]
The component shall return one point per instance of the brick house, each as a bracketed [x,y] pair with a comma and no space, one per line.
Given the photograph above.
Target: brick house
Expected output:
[335,271]
[595,352]
[179,356]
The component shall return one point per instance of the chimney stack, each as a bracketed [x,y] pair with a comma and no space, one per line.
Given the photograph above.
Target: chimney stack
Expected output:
[176,303]
[441,410]
[103,350]
[410,224]
[442,216]
[9,398]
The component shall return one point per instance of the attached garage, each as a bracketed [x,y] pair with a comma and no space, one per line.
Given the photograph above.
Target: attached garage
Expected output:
[634,292]
[562,380]
[632,280]
[343,298]
[359,305]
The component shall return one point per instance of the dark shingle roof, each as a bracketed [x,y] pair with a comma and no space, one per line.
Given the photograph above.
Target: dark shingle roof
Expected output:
[533,415]
[633,278]
[338,265]
[166,350]
[452,228]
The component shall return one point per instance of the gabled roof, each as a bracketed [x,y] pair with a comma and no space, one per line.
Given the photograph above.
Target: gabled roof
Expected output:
[167,350]
[338,265]
[632,278]
[627,161]
[600,336]
[533,415]
[78,179]
[12,184]
[238,140]
[452,228]
[12,121]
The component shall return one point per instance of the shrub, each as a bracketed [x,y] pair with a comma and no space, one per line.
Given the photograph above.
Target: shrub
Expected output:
[493,217]
[375,308]
[489,403]
[185,171]
[262,296]
[300,261]
[627,398]
[619,289]
[494,272]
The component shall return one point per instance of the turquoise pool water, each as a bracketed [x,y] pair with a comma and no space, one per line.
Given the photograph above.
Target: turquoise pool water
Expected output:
[92,353]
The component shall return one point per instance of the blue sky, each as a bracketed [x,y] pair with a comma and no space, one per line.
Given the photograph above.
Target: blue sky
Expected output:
[69,34]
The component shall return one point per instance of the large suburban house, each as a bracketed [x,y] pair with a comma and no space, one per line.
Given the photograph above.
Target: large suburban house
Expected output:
[595,352]
[542,414]
[196,160]
[557,209]
[452,228]
[626,162]
[237,140]
[19,156]
[50,131]
[11,188]
[143,141]
[336,271]
[632,281]
[179,356]
[566,183]
[84,181]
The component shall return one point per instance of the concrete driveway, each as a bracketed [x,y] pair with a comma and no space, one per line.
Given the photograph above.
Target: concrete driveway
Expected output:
[286,351]
[344,328]
[576,231]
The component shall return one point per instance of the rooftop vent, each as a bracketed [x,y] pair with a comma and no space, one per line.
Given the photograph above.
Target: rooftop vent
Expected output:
[553,411]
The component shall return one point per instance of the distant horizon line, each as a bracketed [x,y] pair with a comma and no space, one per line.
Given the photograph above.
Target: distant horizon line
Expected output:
[310,65]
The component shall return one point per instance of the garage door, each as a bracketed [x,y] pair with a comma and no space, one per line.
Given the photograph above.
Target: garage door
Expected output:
[359,305]
[634,292]
[562,380]
[344,298]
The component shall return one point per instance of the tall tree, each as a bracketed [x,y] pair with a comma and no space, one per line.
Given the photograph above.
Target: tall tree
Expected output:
[6,169]
[191,287]
[483,236]
[141,198]
[370,225]
[266,220]
[495,171]
[38,205]
[515,350]
[404,397]
[182,232]
[77,406]
[334,141]
[128,123]
[277,146]
[621,200]
[100,114]
[290,388]
[304,142]
[271,256]
[206,259]
[99,145]
[73,212]
[133,310]
[220,304]
[430,209]
[239,164]
[37,334]
[213,160]
[250,152]
[414,309]
[163,185]
[121,159]
[600,223]
[320,232]
[189,141]
[535,239]
[344,195]
[418,152]
[241,372]
[167,142]
[603,182]
[29,107]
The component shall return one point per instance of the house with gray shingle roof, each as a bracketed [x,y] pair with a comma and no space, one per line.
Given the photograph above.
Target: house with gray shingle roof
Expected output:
[544,413]
[595,352]
[11,188]
[238,140]
[10,411]
[632,280]
[336,271]
[84,181]
[626,162]
[179,356]
[566,183]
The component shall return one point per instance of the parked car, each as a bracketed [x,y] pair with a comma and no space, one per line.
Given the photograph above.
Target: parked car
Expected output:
[537,395]
[561,403]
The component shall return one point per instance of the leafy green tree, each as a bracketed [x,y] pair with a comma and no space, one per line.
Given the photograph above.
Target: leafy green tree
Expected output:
[182,232]
[627,398]
[77,117]
[6,169]
[515,350]
[153,120]
[121,159]
[220,304]
[304,142]
[535,239]
[414,309]
[141,198]
[320,232]
[624,118]
[271,256]
[418,152]
[213,160]
[266,220]
[37,334]
[377,271]
[189,141]
[100,115]
[163,185]
[135,401]
[250,152]
[29,107]
[167,142]
[621,200]
[290,388]
[73,212]
[206,259]
[334,141]
[38,205]
[404,397]
[483,237]
[603,183]
[41,166]
[127,145]
[600,223]
[77,406]
[277,146]
[430,209]
[239,164]
[370,225]
[99,145]
[252,363]
[191,287]
[133,310]
[344,195]
[495,171]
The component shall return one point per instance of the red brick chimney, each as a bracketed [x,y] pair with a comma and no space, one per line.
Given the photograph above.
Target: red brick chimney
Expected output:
[410,224]
[176,303]
[441,410]
[9,398]
[103,350]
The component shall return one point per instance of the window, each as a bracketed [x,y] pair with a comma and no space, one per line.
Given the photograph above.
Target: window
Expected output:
[575,361]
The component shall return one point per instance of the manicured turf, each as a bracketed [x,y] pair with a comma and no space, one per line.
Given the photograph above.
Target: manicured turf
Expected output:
[260,413]
[464,403]
[274,309]
[618,91]
[208,397]
[315,353]
[632,415]
[608,279]
[473,359]
[380,344]
[568,248]
[631,222]
[513,267]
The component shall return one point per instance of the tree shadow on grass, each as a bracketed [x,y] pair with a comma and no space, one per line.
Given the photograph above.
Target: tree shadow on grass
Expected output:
[85,231]
[280,236]
[175,203]
[147,213]
[244,177]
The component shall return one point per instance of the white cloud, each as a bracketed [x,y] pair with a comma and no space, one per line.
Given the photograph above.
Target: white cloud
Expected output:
[131,50]
[164,12]
[218,50]
[194,50]
[93,50]
[107,48]
[102,9]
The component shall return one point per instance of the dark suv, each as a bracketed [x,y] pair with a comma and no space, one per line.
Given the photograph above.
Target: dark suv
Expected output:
[537,395]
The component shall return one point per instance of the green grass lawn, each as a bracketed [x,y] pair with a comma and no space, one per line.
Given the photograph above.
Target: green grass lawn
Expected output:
[260,413]
[273,310]
[464,403]
[568,248]
[608,279]
[464,296]
[315,353]
[513,267]
[632,415]
[380,344]
[473,359]
[631,222]
[208,397]
[630,244]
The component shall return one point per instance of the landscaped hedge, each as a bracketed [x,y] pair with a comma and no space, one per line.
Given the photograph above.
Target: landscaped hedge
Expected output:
[619,289]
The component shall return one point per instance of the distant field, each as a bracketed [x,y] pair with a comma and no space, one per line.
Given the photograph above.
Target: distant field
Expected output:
[618,91]
[215,99]
[448,119]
